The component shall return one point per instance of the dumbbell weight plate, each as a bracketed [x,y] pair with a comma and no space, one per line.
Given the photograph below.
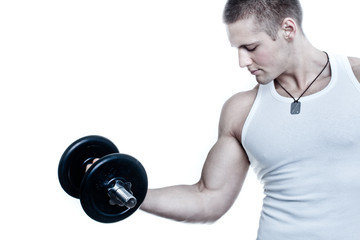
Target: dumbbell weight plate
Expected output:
[93,193]
[73,161]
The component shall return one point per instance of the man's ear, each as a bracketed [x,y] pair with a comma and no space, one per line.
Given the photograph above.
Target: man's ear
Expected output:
[289,28]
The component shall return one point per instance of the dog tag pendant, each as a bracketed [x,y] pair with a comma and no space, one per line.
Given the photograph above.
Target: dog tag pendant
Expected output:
[295,107]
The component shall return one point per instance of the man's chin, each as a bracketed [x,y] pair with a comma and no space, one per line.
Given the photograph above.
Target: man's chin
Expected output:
[263,80]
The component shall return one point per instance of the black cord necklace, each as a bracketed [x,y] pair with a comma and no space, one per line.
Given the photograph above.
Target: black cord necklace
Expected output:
[296,105]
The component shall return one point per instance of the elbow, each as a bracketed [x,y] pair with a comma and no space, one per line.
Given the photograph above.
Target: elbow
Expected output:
[210,207]
[209,214]
[205,213]
[213,219]
[202,219]
[214,215]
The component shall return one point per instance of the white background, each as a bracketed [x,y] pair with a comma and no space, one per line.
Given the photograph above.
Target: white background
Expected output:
[151,76]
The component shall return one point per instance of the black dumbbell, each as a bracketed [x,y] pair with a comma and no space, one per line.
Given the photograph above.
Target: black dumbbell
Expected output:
[112,188]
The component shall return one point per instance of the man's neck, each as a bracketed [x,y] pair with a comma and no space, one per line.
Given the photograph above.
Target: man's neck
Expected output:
[305,64]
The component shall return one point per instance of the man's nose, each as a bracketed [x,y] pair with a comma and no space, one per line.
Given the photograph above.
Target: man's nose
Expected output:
[244,58]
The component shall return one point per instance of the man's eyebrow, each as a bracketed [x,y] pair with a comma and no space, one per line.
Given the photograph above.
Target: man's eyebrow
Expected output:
[246,45]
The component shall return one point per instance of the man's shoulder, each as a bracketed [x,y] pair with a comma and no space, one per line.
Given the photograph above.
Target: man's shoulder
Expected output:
[242,100]
[235,111]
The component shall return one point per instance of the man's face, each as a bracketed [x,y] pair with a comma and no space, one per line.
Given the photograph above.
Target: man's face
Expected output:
[265,58]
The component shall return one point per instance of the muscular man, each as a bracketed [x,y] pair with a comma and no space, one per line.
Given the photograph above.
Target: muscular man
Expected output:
[299,129]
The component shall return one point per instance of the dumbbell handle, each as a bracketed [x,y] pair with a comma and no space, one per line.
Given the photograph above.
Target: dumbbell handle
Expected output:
[119,194]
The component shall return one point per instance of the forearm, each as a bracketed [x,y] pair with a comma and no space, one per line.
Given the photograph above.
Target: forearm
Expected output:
[186,203]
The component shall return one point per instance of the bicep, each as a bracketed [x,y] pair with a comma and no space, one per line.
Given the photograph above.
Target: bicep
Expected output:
[224,172]
[227,163]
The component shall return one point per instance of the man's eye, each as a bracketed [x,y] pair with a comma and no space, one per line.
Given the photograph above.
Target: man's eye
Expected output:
[251,49]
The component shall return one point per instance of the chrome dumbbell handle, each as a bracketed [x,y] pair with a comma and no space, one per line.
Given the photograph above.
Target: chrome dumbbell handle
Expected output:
[120,194]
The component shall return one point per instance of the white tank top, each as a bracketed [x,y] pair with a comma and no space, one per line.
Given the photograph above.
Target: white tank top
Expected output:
[308,163]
